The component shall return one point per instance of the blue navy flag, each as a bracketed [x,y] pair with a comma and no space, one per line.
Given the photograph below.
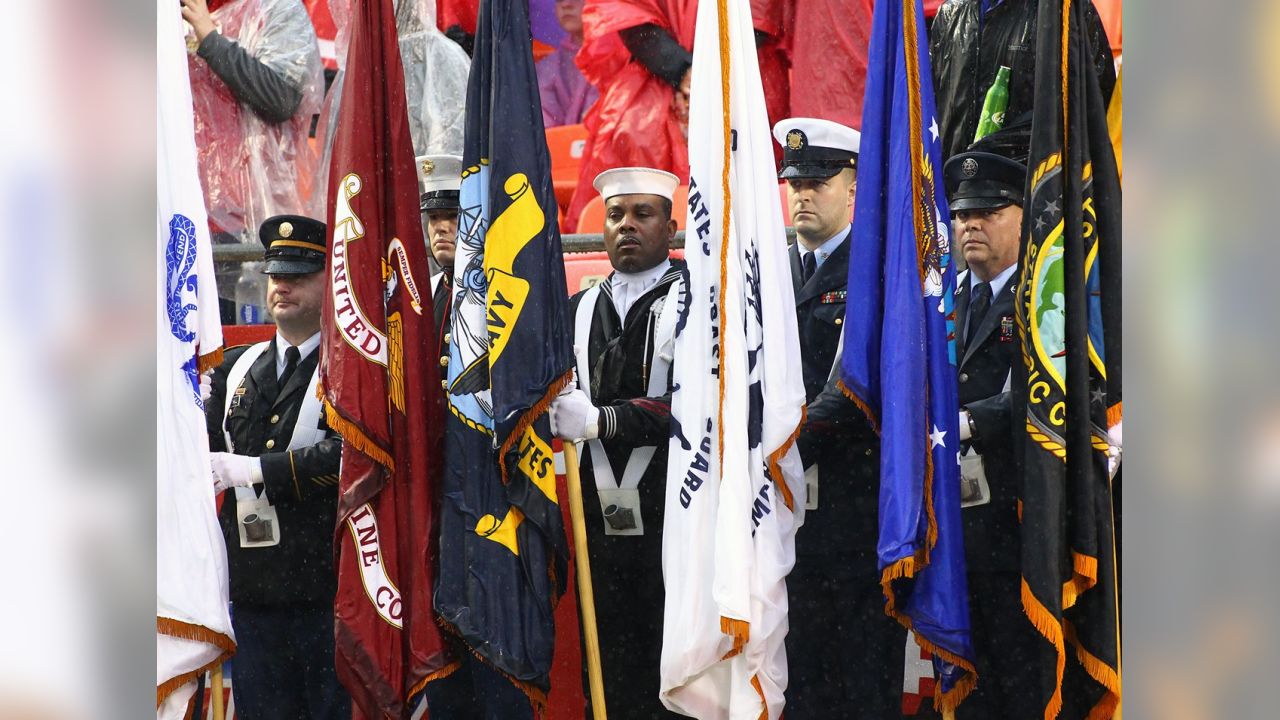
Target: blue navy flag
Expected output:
[898,362]
[503,551]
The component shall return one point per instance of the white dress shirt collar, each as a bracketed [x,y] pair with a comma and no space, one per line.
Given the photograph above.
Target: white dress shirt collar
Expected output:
[628,287]
[997,283]
[305,349]
[827,248]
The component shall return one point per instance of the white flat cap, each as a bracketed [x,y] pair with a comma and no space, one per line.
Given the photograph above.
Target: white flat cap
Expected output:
[636,181]
[815,148]
[439,177]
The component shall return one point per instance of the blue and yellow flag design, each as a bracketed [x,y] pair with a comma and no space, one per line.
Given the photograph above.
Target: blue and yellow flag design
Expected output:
[899,359]
[503,552]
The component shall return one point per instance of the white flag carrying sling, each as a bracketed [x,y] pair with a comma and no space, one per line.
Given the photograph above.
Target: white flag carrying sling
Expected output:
[733,474]
[193,627]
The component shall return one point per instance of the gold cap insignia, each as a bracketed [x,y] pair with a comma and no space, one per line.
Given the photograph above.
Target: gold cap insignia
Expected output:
[428,167]
[795,139]
[286,229]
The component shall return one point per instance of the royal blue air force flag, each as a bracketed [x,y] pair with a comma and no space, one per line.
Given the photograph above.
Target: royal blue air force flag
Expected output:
[193,626]
[503,551]
[735,490]
[898,362]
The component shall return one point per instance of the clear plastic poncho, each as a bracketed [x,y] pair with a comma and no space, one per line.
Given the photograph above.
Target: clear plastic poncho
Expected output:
[252,169]
[435,79]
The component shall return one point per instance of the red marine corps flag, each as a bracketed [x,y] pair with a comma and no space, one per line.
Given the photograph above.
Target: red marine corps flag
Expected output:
[381,386]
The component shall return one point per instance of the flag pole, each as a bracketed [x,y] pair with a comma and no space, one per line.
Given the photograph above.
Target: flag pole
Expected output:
[586,596]
[215,675]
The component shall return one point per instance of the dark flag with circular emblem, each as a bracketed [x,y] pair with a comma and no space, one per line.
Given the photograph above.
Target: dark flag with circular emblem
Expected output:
[1067,389]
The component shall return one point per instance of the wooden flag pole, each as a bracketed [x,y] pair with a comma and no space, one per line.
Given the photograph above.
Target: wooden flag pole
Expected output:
[586,596]
[219,712]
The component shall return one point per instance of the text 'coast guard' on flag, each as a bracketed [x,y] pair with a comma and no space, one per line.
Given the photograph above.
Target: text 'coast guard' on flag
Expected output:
[193,626]
[898,364]
[735,493]
[381,384]
[504,555]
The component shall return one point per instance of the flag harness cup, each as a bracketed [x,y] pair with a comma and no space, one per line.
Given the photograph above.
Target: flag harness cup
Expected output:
[256,518]
[620,501]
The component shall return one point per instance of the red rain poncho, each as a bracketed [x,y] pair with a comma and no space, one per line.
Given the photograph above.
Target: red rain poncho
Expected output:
[632,123]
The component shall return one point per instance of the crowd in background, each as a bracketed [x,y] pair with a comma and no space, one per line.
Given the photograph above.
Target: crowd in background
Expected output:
[267,83]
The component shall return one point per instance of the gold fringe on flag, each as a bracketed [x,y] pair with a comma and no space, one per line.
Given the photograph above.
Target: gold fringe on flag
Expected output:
[739,630]
[209,361]
[198,633]
[352,434]
[1048,626]
[775,472]
[529,417]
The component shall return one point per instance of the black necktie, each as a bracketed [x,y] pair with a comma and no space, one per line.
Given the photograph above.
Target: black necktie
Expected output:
[978,308]
[291,355]
[808,266]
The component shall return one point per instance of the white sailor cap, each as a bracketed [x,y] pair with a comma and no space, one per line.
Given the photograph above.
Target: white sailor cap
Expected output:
[439,177]
[815,148]
[634,181]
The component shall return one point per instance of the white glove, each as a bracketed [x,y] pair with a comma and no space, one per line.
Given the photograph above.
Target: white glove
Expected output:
[573,417]
[231,471]
[206,386]
[966,430]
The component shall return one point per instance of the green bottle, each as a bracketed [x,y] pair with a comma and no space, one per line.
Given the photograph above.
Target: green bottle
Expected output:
[994,106]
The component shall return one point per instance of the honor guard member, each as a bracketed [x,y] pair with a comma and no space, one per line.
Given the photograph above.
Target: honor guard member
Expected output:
[985,193]
[274,452]
[440,177]
[624,330]
[845,655]
[475,691]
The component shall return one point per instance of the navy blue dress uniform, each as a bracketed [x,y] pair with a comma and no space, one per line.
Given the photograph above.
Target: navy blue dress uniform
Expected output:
[845,656]
[282,596]
[986,348]
[627,570]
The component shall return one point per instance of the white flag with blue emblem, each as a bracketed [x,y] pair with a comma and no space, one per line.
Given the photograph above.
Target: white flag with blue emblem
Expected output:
[735,489]
[193,625]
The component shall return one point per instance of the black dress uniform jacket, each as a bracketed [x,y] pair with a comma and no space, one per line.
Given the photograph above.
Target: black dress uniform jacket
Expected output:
[627,570]
[301,484]
[1004,643]
[836,434]
[844,653]
[990,530]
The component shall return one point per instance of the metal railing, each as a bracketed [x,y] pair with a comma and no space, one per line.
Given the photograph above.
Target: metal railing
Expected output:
[576,243]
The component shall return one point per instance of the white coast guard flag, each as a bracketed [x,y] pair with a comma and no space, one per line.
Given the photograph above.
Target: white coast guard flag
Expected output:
[734,474]
[193,627]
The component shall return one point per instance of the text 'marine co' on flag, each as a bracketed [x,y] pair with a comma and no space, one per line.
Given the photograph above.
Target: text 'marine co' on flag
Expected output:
[735,492]
[381,384]
[193,626]
[898,362]
[504,555]
[1067,388]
